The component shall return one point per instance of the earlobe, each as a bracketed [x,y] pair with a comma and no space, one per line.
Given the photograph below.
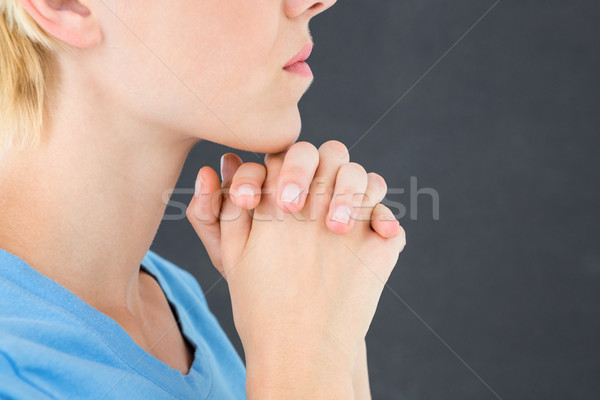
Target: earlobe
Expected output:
[70,21]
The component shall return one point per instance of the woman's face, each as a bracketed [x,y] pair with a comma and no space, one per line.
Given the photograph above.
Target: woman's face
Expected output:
[211,69]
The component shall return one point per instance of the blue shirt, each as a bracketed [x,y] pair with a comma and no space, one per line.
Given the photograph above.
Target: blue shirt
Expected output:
[53,345]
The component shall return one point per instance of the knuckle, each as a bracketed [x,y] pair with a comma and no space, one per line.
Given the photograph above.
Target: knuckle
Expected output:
[382,209]
[253,165]
[379,209]
[378,179]
[304,146]
[334,146]
[355,168]
[352,176]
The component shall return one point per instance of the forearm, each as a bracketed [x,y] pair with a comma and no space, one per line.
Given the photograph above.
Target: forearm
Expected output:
[293,376]
[292,382]
[360,378]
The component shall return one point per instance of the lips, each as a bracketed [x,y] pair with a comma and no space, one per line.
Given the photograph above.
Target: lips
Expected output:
[301,56]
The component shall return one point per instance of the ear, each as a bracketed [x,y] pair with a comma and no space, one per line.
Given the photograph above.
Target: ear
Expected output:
[71,21]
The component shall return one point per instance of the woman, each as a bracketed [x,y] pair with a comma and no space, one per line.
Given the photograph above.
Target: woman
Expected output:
[101,103]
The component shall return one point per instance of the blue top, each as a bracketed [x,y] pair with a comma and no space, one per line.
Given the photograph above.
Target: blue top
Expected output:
[53,345]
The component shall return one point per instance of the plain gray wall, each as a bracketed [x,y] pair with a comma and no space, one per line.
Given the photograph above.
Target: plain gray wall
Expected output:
[501,293]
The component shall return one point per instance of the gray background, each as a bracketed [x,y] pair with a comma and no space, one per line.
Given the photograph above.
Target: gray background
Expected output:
[501,293]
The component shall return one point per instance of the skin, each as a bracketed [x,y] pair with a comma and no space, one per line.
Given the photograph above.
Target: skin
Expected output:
[203,213]
[94,190]
[327,267]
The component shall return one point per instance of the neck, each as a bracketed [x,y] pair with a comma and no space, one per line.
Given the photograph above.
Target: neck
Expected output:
[84,207]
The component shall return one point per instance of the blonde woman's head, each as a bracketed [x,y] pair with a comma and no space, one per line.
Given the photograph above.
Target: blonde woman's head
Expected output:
[211,69]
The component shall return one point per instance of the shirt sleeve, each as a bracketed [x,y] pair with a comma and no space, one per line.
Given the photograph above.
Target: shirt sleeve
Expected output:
[12,387]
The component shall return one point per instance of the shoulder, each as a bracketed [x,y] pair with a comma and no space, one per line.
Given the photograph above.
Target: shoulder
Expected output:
[198,322]
[178,284]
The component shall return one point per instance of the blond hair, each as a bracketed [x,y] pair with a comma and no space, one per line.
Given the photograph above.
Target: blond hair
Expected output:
[25,50]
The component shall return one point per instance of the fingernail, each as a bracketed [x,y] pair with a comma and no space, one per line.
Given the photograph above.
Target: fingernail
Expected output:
[341,214]
[291,193]
[245,190]
[221,167]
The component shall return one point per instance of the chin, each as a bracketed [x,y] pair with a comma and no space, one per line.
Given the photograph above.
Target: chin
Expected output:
[269,135]
[279,144]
